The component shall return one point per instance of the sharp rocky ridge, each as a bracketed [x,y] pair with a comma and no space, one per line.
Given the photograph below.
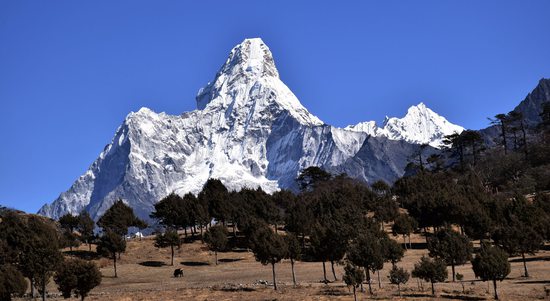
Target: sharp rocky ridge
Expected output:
[249,130]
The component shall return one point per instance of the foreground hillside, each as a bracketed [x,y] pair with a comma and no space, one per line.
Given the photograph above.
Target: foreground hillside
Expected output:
[143,275]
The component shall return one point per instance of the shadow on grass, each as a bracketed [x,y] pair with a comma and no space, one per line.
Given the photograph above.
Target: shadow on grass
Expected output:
[229,259]
[539,258]
[418,245]
[191,238]
[194,263]
[462,297]
[86,255]
[152,263]
[417,295]
[332,291]
[534,282]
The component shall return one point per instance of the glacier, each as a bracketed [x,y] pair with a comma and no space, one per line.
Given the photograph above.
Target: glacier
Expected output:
[249,130]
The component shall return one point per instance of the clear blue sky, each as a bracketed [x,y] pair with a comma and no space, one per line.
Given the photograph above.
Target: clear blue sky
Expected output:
[70,71]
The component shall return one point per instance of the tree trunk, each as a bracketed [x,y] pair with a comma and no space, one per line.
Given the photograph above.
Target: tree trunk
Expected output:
[405,241]
[524,265]
[32,288]
[333,272]
[325,273]
[502,127]
[216,256]
[379,282]
[276,228]
[399,289]
[522,127]
[114,263]
[274,278]
[82,297]
[185,231]
[43,288]
[234,230]
[89,247]
[410,244]
[453,269]
[433,289]
[367,271]
[172,261]
[354,294]
[293,274]
[495,287]
[71,248]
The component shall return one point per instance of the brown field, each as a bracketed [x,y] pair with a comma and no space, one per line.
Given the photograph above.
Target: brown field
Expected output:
[142,275]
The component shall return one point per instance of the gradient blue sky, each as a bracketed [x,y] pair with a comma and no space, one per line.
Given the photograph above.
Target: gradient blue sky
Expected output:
[70,71]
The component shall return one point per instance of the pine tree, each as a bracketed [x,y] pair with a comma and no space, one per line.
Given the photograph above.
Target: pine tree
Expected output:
[12,282]
[353,276]
[216,239]
[268,248]
[110,244]
[450,246]
[366,251]
[118,218]
[294,252]
[398,276]
[430,270]
[491,264]
[86,228]
[77,276]
[171,239]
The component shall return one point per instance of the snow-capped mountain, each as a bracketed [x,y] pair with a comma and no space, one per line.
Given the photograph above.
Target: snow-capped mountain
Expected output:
[249,130]
[420,126]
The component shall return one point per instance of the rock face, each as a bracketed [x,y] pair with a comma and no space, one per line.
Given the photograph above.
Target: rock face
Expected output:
[249,130]
[530,108]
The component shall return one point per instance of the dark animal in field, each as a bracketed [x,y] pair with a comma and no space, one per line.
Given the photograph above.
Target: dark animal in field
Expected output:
[178,273]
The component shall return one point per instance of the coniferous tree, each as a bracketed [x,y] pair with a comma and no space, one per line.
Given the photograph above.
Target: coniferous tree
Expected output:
[215,194]
[450,246]
[118,218]
[393,252]
[491,264]
[353,276]
[268,248]
[404,225]
[216,239]
[431,270]
[294,252]
[366,251]
[398,276]
[40,252]
[171,239]
[110,244]
[12,282]
[311,177]
[168,211]
[77,276]
[86,228]
[519,239]
[69,223]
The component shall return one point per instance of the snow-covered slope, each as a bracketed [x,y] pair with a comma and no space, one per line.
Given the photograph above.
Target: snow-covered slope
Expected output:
[420,126]
[249,130]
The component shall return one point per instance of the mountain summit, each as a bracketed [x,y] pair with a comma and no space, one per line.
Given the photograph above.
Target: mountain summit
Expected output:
[249,130]
[420,125]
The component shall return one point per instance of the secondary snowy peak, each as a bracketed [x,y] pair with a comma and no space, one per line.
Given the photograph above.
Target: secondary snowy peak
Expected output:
[420,125]
[248,83]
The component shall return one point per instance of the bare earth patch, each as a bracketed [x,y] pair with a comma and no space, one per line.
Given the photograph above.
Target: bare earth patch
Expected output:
[145,274]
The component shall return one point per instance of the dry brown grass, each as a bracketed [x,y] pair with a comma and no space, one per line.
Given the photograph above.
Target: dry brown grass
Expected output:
[142,277]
